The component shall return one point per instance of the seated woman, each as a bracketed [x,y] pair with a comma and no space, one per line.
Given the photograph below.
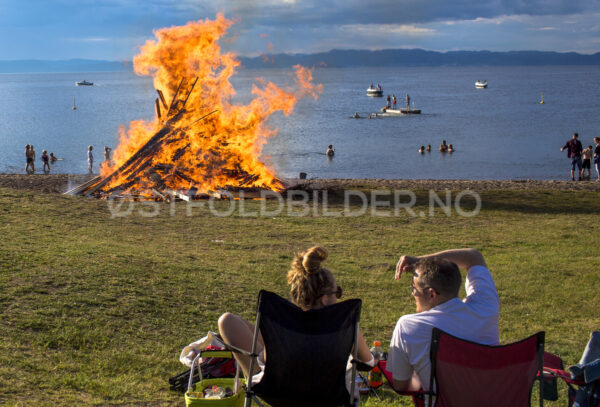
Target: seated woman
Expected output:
[311,287]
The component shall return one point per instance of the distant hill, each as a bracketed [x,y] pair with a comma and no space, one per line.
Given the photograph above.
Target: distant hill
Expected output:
[69,65]
[420,57]
[337,59]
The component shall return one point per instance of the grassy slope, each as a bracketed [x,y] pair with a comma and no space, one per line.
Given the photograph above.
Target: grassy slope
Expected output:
[95,310]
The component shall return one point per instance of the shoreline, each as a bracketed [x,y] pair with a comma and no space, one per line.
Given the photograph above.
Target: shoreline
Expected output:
[59,183]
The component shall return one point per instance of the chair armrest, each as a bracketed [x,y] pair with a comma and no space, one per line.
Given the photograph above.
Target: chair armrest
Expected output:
[362,367]
[550,373]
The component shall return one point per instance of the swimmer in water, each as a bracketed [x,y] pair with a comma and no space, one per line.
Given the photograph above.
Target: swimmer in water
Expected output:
[330,151]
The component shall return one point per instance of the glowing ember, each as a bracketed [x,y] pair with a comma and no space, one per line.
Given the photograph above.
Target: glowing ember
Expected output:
[198,139]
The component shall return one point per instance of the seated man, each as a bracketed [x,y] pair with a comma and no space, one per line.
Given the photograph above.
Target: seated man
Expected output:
[435,284]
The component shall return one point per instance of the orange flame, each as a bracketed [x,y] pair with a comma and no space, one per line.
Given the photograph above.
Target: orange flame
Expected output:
[219,151]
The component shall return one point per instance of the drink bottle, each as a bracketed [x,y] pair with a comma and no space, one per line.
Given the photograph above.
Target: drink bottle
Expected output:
[375,378]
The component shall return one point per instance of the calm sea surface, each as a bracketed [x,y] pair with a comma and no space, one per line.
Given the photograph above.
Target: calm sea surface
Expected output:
[501,132]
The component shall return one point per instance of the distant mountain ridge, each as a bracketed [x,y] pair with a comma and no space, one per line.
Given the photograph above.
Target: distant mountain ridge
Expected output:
[420,57]
[337,59]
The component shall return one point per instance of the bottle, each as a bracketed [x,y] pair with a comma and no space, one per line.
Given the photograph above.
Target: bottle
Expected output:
[214,392]
[375,378]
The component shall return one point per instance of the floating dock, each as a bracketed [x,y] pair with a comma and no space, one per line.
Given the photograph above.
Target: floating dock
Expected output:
[403,110]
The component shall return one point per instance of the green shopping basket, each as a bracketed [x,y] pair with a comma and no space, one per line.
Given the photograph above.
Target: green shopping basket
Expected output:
[194,398]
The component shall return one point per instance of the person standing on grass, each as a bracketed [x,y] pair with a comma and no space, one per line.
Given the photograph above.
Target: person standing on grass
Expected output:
[597,156]
[574,149]
[435,285]
[90,159]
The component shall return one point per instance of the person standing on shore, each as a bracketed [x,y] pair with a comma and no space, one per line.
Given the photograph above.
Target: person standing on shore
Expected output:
[29,156]
[587,154]
[45,159]
[90,159]
[574,149]
[107,151]
[597,156]
[32,152]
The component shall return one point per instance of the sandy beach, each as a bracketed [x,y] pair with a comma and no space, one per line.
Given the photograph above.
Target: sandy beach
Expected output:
[59,183]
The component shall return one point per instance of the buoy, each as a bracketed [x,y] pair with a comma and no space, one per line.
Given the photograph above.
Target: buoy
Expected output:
[542,100]
[74,107]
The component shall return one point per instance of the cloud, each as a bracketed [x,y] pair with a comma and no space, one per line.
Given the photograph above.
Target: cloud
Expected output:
[89,39]
[387,29]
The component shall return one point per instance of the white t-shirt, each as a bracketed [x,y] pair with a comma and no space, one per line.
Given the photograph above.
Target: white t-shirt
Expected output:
[474,319]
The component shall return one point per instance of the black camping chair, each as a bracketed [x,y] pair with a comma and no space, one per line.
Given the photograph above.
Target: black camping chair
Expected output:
[306,353]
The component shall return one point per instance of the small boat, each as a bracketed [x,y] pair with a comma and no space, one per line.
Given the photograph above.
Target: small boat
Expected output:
[84,83]
[481,84]
[375,91]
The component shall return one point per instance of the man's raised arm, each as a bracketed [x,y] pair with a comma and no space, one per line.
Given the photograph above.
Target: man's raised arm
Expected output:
[464,258]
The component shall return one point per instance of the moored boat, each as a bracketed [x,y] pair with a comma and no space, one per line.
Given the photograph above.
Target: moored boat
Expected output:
[375,91]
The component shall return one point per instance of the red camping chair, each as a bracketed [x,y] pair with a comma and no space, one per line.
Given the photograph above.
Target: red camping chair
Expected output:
[467,374]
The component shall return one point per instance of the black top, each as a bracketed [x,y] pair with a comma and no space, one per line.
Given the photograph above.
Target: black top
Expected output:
[573,147]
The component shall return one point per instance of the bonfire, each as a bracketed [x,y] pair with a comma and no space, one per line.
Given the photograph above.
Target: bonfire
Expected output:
[200,142]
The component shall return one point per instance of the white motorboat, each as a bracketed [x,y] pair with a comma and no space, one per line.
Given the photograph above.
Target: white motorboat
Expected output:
[375,91]
[481,84]
[84,83]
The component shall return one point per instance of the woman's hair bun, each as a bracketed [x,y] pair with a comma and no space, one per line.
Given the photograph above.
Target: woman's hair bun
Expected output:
[312,259]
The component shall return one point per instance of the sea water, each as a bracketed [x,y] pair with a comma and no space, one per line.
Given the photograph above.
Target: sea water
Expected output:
[502,132]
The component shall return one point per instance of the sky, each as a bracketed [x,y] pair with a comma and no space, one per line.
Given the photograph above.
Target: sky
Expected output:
[115,29]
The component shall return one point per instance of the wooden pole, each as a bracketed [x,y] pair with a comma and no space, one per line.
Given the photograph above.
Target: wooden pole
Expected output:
[162,98]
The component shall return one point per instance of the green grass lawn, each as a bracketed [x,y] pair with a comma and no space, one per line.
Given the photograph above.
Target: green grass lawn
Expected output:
[95,310]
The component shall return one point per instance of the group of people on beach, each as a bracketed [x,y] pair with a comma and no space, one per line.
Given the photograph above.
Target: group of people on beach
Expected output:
[435,282]
[30,160]
[444,148]
[581,158]
[51,159]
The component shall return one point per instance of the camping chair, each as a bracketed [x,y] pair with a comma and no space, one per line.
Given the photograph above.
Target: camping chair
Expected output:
[467,374]
[306,353]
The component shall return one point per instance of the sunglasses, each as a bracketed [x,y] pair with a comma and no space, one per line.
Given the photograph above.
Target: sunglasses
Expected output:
[413,288]
[338,292]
